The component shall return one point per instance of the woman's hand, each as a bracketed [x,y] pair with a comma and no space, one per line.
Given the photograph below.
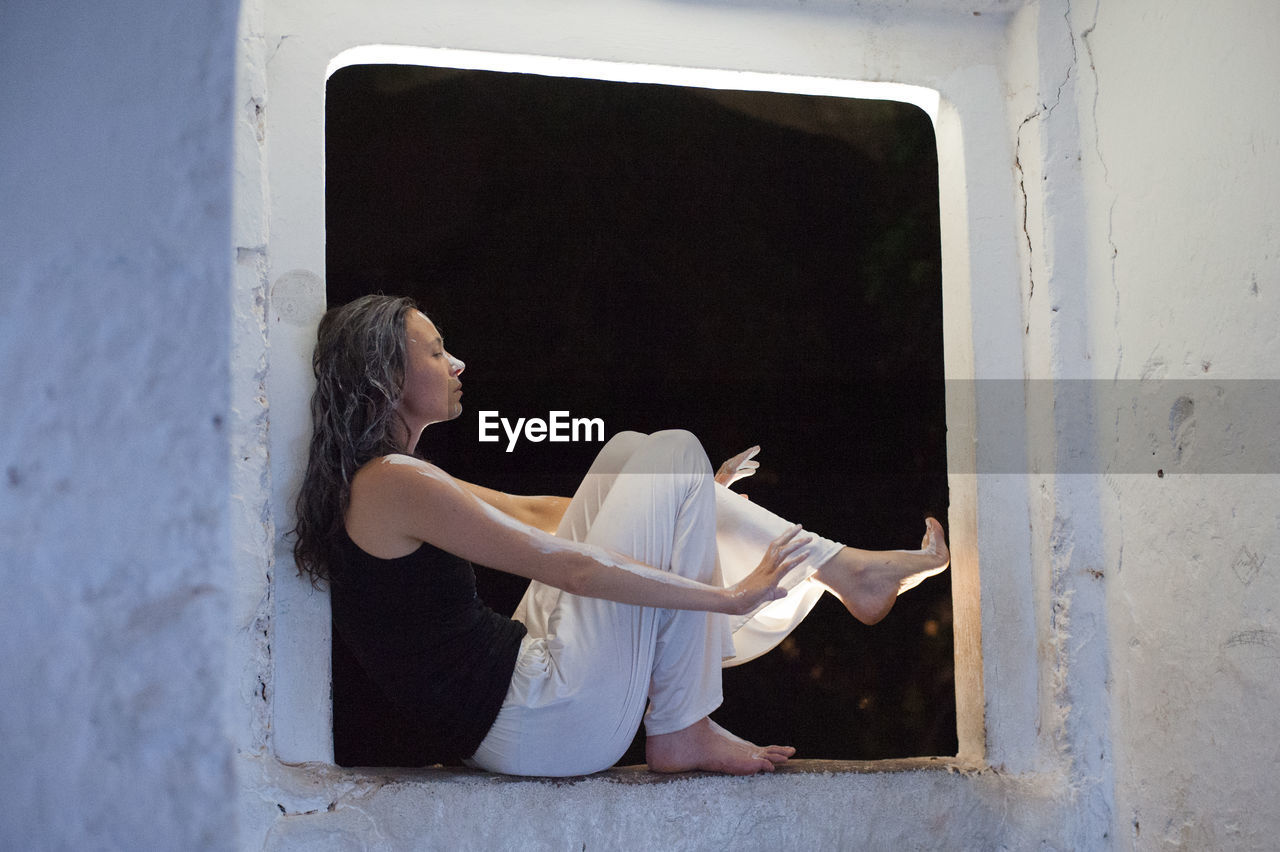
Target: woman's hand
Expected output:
[761,585]
[739,467]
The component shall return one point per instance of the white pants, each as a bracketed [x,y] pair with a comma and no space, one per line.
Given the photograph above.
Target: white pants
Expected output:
[588,665]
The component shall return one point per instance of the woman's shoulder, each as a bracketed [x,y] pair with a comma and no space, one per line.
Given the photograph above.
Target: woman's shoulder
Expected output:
[386,494]
[399,481]
[398,467]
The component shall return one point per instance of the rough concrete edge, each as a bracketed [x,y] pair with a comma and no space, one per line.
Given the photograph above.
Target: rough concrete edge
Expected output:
[283,792]
[641,774]
[313,787]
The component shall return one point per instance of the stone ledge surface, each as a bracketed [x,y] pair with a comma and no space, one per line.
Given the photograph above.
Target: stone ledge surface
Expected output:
[640,773]
[913,803]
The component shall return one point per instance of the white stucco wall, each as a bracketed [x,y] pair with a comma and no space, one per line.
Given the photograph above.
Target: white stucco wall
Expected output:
[1182,166]
[1106,172]
[115,556]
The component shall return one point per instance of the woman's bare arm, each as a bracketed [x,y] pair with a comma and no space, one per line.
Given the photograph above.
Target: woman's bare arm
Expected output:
[541,512]
[399,501]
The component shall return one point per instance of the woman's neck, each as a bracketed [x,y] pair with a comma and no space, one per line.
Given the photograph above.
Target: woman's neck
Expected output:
[407,437]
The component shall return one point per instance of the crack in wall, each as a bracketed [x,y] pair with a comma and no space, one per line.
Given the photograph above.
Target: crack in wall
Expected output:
[1061,545]
[1041,112]
[276,49]
[253,462]
[1106,180]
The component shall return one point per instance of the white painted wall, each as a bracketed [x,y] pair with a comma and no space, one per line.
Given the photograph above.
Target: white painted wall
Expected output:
[115,550]
[1182,166]
[1107,172]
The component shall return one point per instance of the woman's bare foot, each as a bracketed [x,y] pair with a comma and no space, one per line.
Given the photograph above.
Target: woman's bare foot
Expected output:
[707,746]
[868,582]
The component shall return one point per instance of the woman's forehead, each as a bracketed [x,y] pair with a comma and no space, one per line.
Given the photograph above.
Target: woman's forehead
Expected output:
[417,323]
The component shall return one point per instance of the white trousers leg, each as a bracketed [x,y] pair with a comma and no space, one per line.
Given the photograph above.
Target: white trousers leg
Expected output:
[588,665]
[743,532]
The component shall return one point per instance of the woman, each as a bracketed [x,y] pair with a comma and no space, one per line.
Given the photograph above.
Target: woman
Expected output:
[642,586]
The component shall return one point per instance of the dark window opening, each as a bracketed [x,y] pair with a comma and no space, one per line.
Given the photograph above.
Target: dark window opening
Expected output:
[755,267]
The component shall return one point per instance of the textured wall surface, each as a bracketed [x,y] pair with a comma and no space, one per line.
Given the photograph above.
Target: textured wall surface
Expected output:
[1184,267]
[115,175]
[1107,171]
[1147,173]
[882,805]
[1077,255]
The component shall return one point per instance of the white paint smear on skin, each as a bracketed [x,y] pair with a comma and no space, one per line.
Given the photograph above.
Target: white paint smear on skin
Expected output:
[408,461]
[545,542]
[549,544]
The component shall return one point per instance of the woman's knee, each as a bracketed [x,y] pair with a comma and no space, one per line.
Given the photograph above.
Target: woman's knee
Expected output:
[616,451]
[678,450]
[626,439]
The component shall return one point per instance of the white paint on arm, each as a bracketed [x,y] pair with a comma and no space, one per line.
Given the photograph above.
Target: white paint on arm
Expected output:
[460,522]
[541,541]
[552,545]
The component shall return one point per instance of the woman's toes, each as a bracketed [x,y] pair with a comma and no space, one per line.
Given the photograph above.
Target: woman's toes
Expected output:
[778,754]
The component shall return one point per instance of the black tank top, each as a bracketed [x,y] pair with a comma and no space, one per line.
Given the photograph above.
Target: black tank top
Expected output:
[421,665]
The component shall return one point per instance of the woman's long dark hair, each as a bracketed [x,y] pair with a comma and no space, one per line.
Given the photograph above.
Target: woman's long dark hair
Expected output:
[359,363]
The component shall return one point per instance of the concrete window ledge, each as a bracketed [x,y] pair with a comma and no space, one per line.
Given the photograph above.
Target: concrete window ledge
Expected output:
[640,774]
[911,803]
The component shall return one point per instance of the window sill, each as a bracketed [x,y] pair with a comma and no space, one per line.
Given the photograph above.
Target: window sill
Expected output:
[640,774]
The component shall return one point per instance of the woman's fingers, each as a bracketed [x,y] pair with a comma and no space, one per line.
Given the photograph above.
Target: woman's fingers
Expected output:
[787,543]
[745,459]
[739,467]
[783,554]
[793,556]
[780,570]
[795,544]
[786,535]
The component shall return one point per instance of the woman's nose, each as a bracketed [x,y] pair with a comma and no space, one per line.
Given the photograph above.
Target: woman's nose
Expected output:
[456,366]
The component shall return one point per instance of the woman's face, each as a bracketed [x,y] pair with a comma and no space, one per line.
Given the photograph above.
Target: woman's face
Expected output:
[432,391]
